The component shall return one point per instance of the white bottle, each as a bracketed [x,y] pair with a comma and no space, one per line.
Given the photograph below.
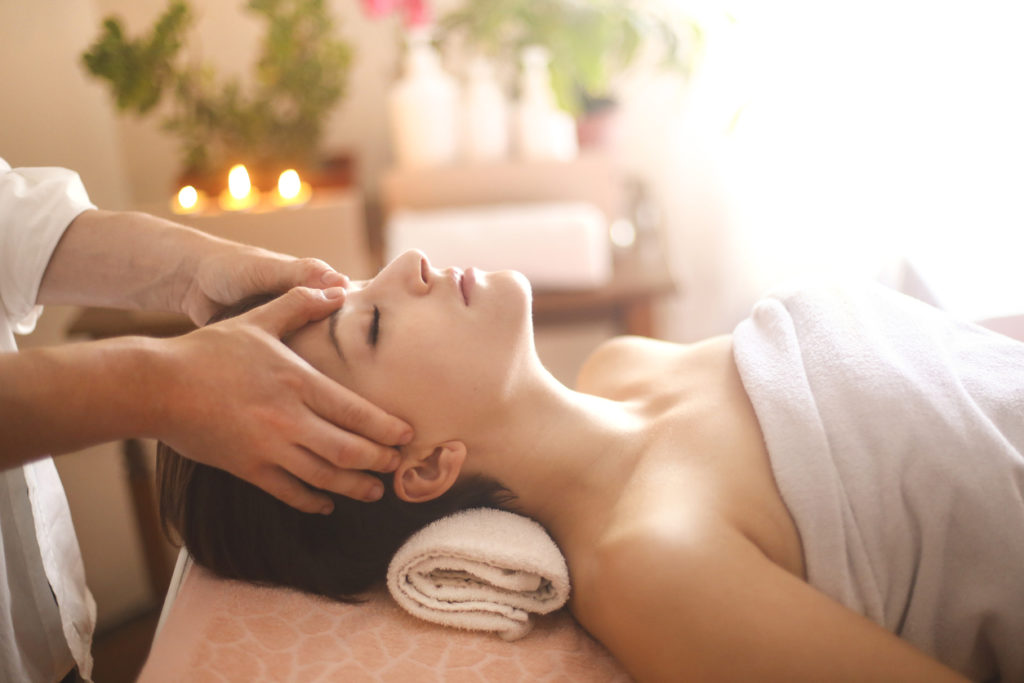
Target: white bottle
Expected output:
[543,131]
[486,131]
[423,108]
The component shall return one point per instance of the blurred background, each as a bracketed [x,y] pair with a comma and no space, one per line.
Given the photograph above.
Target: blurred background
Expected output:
[656,168]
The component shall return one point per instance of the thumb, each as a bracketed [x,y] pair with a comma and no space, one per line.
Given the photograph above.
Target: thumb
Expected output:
[296,308]
[277,276]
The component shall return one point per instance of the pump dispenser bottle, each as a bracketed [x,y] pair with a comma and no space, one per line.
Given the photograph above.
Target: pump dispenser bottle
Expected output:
[543,131]
[423,108]
[486,127]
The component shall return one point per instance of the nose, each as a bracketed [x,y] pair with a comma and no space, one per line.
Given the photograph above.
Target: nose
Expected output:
[410,270]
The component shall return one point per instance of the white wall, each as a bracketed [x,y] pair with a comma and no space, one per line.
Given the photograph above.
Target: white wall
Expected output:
[51,113]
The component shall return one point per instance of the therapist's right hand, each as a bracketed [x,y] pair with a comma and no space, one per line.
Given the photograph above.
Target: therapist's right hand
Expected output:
[236,397]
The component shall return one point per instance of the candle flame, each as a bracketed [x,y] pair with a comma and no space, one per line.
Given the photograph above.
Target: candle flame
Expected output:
[289,185]
[187,197]
[238,182]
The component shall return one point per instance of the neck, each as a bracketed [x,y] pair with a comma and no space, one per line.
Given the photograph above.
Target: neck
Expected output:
[565,455]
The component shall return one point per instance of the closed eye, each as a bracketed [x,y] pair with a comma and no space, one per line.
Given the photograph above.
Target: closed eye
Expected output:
[374,333]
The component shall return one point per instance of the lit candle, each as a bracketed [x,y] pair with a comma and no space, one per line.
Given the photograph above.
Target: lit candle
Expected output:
[240,195]
[188,200]
[291,189]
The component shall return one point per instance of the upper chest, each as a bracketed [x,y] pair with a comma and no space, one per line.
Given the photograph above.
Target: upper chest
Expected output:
[705,457]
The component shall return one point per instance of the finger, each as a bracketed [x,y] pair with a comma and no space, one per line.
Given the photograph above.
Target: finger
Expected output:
[341,406]
[296,308]
[320,474]
[284,274]
[347,450]
[289,490]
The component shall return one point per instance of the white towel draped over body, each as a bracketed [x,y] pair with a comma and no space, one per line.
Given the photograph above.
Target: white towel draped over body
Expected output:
[896,437]
[481,569]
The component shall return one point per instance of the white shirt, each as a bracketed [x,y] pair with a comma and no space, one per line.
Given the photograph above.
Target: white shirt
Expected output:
[47,615]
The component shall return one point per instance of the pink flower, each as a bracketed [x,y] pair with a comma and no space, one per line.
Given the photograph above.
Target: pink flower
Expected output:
[416,11]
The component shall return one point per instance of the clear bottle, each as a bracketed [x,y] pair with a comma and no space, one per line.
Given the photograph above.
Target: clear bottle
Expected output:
[486,115]
[543,131]
[423,108]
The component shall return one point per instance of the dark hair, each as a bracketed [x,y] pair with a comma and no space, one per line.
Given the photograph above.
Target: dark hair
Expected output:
[238,531]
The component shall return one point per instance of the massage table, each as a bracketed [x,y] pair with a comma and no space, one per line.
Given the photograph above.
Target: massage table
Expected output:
[214,629]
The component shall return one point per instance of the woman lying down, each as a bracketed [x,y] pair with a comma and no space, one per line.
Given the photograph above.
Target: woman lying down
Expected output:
[834,492]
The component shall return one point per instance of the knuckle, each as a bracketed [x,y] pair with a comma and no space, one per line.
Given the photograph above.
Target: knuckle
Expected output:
[382,458]
[301,501]
[341,456]
[290,493]
[354,412]
[322,476]
[274,422]
[358,454]
[305,295]
[291,381]
[312,266]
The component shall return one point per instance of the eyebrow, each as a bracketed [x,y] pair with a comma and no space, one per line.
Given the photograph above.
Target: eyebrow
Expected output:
[332,325]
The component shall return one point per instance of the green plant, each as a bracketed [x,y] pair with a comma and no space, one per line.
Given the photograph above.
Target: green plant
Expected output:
[300,75]
[589,41]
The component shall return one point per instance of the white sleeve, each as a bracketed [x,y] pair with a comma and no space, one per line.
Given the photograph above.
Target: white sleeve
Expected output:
[36,206]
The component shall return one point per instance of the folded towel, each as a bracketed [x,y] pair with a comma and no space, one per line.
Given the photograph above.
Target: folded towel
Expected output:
[482,570]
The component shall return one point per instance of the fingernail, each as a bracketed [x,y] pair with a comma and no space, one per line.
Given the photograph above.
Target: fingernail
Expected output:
[405,438]
[334,292]
[375,493]
[327,509]
[333,278]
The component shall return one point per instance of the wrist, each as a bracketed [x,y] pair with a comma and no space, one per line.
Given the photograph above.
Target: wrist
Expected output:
[131,374]
[151,374]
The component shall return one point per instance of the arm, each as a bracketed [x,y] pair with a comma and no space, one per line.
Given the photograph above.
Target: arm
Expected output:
[139,261]
[242,401]
[712,607]
[231,395]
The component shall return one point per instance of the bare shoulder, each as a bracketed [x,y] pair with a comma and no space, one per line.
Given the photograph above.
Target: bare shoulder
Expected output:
[616,367]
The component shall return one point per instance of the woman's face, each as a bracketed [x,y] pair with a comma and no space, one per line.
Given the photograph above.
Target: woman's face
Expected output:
[433,347]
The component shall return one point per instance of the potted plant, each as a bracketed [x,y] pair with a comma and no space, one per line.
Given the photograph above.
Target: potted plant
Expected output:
[589,41]
[300,75]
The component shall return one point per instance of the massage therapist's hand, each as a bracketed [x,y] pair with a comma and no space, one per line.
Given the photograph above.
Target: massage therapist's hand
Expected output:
[236,397]
[224,277]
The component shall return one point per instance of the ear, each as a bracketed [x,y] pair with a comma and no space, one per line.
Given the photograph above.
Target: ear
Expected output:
[425,476]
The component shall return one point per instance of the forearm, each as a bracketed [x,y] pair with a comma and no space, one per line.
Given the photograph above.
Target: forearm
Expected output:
[59,399]
[125,260]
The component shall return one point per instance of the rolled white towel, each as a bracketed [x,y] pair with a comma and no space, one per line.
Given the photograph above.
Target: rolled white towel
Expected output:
[482,570]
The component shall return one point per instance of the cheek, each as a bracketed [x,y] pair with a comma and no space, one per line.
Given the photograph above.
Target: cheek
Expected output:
[427,391]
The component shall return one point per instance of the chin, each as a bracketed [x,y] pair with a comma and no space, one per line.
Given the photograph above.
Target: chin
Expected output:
[516,301]
[522,283]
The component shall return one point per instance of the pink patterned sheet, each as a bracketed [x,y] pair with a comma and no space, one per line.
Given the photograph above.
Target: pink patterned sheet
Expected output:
[221,630]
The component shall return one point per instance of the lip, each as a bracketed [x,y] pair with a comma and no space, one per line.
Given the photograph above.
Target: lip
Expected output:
[466,283]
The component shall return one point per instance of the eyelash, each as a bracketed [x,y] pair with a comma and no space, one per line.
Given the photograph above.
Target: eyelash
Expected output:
[374,327]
